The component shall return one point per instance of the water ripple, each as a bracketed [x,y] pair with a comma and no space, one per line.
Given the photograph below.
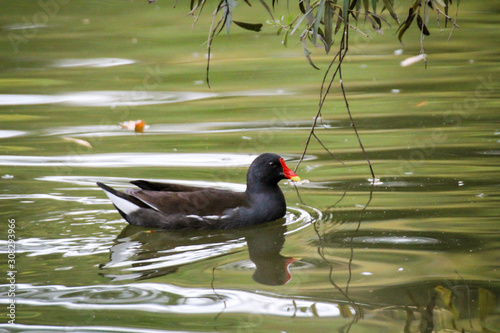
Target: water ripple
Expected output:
[98,329]
[9,133]
[192,128]
[402,240]
[120,160]
[165,298]
[126,98]
[92,62]
[67,247]
[53,196]
[301,217]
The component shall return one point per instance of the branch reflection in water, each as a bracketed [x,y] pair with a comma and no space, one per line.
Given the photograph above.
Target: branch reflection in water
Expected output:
[345,310]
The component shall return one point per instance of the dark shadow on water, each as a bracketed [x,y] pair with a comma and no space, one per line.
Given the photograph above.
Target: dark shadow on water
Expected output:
[140,253]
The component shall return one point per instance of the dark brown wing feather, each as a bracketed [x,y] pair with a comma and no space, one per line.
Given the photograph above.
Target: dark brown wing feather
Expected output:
[156,186]
[202,203]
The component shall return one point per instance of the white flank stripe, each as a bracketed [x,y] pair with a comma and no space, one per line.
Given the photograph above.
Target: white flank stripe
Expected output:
[199,218]
[212,217]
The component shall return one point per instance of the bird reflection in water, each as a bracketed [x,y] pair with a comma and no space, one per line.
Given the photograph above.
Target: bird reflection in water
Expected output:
[139,254]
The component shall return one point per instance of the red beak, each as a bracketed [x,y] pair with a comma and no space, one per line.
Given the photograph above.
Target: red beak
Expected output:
[289,173]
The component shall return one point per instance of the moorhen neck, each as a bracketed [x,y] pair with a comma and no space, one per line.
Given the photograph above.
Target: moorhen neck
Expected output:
[173,206]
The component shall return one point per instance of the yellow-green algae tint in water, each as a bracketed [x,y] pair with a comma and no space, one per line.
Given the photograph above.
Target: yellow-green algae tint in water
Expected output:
[355,257]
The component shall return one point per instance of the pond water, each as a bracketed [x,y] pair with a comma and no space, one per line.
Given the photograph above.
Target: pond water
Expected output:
[416,251]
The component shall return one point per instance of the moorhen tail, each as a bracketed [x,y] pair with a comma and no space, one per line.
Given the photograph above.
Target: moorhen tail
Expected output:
[173,206]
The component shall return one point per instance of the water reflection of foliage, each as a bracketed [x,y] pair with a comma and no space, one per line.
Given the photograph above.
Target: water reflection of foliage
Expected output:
[450,305]
[430,307]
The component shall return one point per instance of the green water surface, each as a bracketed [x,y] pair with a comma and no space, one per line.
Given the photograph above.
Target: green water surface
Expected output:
[416,251]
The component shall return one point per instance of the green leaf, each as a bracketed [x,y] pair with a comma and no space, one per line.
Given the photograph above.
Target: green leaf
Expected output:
[310,16]
[285,39]
[345,10]
[375,21]
[339,21]
[307,53]
[407,23]
[390,8]
[358,9]
[366,5]
[301,7]
[228,13]
[249,26]
[374,6]
[421,26]
[300,20]
[327,18]
[440,2]
[290,19]
[317,20]
[267,8]
[354,8]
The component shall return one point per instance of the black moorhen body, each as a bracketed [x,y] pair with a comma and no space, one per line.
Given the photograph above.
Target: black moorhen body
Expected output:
[171,206]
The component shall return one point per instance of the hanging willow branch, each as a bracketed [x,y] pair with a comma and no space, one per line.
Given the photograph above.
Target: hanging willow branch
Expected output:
[317,23]
[344,48]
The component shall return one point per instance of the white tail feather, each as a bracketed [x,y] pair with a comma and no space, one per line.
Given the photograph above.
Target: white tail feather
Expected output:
[124,205]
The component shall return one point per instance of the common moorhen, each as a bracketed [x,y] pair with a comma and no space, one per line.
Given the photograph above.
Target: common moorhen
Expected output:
[173,206]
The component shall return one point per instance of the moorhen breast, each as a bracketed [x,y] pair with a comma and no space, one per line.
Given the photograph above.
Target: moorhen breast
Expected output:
[173,206]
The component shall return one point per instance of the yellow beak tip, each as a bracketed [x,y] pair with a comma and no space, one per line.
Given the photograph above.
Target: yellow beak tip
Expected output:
[295,178]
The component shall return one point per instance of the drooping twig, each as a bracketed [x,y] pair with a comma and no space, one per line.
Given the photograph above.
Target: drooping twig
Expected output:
[455,25]
[438,22]
[422,50]
[353,27]
[329,152]
[322,97]
[211,35]
[344,47]
[216,294]
[354,126]
[200,6]
[447,18]
[351,258]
